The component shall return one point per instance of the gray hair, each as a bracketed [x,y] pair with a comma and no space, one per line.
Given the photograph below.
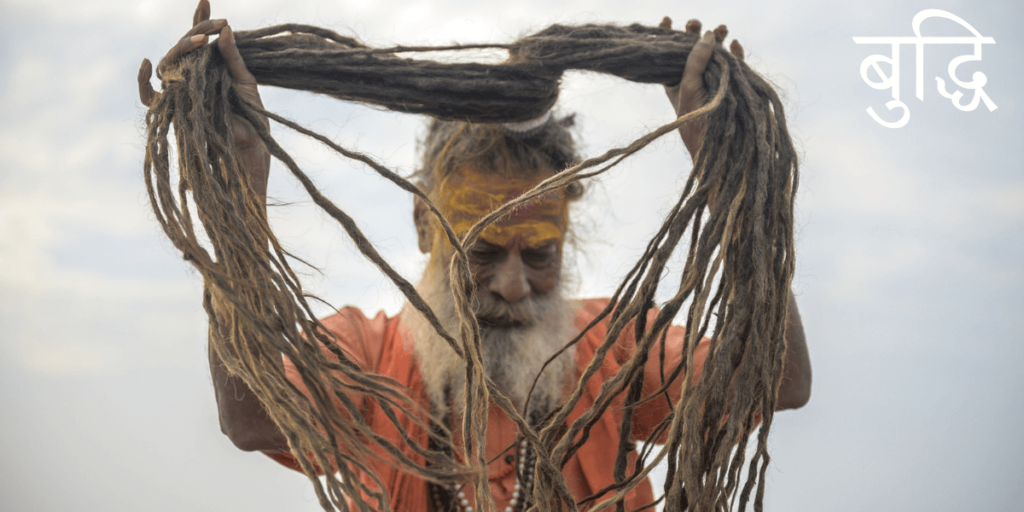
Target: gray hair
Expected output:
[453,145]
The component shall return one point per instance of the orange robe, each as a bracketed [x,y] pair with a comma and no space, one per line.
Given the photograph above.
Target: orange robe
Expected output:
[379,344]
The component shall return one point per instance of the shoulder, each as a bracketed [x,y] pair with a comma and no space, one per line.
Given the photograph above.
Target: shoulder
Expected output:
[586,310]
[594,316]
[589,314]
[362,338]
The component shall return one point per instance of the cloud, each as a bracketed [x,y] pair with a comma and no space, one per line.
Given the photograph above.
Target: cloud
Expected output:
[908,240]
[67,358]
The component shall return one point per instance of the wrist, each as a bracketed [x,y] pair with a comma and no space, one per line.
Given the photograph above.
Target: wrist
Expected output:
[692,140]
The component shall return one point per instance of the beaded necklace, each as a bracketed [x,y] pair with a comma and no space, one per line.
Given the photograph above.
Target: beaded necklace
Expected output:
[452,497]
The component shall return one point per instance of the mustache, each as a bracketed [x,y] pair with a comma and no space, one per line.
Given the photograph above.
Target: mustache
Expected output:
[493,311]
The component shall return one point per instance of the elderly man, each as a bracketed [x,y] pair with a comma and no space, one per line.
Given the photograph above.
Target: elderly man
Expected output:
[518,297]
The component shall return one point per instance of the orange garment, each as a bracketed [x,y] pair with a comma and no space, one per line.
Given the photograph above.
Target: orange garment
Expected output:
[382,344]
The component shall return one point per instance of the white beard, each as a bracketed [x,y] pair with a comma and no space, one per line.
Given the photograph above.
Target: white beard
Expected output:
[512,355]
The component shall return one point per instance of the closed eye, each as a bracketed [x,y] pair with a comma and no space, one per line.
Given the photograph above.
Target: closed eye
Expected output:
[540,258]
[485,252]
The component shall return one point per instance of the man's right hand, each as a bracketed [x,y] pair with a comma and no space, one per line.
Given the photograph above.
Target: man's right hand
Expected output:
[242,417]
[255,158]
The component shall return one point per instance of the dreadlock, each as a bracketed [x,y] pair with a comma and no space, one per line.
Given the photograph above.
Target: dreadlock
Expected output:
[736,205]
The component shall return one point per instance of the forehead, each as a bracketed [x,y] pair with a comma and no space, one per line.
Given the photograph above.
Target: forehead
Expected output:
[469,195]
[483,192]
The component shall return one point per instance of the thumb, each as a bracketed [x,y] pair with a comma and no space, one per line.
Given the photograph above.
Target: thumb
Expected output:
[233,59]
[697,62]
[146,93]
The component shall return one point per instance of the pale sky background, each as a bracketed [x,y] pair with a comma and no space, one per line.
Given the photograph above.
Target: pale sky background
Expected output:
[909,274]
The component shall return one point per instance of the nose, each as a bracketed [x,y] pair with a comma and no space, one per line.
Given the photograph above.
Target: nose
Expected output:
[509,279]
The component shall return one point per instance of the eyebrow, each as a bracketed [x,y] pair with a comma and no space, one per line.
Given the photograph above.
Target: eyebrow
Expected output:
[550,244]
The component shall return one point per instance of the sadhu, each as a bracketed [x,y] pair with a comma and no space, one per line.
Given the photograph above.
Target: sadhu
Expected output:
[492,389]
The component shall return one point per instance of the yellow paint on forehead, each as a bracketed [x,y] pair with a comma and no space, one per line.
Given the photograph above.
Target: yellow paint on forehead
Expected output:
[467,196]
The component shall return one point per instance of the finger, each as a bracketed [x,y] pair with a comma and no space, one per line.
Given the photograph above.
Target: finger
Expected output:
[693,27]
[185,45]
[720,34]
[207,27]
[233,59]
[202,12]
[693,73]
[671,90]
[195,38]
[146,93]
[736,49]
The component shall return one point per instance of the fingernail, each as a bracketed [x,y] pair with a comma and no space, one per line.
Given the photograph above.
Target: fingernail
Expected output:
[219,23]
[198,38]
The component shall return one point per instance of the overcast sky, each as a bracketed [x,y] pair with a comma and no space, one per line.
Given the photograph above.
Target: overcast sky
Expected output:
[909,240]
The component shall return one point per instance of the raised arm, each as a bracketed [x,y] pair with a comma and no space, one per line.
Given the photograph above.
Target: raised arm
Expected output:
[795,388]
[689,95]
[253,153]
[242,417]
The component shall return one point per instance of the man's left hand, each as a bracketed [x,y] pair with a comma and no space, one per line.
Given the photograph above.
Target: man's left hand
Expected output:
[691,94]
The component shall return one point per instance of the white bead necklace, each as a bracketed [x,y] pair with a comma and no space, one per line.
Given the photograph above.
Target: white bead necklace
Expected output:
[452,497]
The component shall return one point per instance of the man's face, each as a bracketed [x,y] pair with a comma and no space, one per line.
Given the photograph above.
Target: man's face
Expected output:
[516,265]
[515,259]
[508,277]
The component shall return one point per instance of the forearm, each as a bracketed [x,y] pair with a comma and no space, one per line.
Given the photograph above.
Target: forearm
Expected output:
[242,417]
[795,388]
[256,163]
